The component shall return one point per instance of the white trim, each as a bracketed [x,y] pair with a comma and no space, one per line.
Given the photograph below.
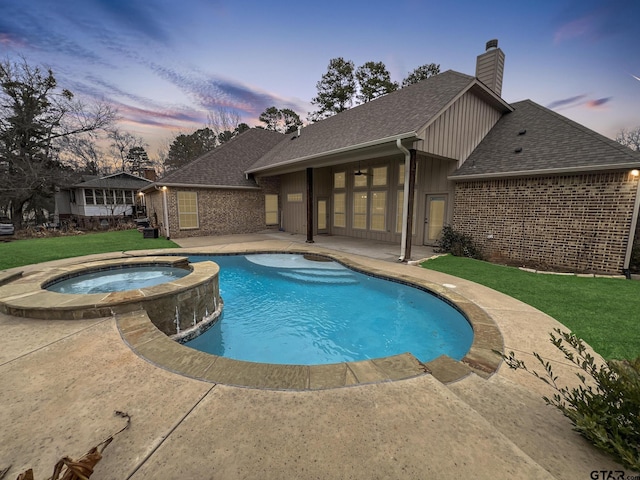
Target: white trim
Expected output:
[159,185]
[546,171]
[336,151]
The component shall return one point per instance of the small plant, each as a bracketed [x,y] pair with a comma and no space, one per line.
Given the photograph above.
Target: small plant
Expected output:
[605,407]
[634,264]
[458,244]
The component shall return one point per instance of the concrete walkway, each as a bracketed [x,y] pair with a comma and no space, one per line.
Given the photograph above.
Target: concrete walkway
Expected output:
[61,382]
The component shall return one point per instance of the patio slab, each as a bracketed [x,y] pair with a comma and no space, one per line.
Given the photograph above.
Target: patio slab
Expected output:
[62,381]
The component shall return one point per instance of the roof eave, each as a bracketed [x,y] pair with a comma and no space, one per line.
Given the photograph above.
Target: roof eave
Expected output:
[337,151]
[159,185]
[546,171]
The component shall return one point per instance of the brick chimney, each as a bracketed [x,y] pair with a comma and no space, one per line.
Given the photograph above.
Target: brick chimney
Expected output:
[150,174]
[490,67]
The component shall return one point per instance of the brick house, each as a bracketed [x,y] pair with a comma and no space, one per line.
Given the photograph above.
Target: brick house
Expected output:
[527,184]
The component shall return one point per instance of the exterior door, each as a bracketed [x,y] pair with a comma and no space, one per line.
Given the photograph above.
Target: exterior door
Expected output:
[322,216]
[435,214]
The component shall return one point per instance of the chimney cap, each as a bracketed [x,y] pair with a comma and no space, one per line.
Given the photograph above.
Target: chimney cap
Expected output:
[491,44]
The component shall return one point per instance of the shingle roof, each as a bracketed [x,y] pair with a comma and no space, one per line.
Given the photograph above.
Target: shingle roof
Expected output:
[404,111]
[116,180]
[225,166]
[547,142]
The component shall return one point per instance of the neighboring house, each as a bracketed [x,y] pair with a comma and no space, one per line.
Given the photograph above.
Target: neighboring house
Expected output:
[101,198]
[529,185]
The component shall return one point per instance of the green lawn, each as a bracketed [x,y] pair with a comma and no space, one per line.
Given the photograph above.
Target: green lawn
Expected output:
[605,312]
[35,250]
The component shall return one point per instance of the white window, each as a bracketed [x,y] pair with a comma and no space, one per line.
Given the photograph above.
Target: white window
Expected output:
[360,181]
[360,210]
[379,176]
[89,199]
[378,219]
[339,210]
[294,197]
[271,209]
[188,210]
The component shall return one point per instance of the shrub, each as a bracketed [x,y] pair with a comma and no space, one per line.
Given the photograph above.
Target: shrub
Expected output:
[457,244]
[605,410]
[634,264]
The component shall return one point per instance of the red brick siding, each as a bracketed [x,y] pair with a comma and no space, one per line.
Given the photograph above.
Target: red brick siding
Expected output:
[577,223]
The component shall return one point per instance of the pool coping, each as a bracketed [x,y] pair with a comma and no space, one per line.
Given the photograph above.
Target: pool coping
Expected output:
[147,341]
[25,294]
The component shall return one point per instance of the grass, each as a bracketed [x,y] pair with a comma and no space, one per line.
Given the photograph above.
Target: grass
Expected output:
[35,250]
[604,312]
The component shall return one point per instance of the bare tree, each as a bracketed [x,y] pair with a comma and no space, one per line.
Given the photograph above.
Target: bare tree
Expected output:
[82,153]
[629,138]
[35,117]
[224,123]
[121,143]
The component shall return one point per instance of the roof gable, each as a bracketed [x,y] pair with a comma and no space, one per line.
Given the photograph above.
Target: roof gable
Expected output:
[533,140]
[404,112]
[224,166]
[116,180]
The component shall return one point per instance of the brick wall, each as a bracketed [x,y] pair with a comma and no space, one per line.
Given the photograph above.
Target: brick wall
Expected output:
[577,223]
[220,211]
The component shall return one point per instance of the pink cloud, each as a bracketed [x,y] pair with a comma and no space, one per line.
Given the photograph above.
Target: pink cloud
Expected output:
[9,40]
[574,29]
[598,102]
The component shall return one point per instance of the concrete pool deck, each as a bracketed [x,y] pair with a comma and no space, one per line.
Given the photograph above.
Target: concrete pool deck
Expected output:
[62,380]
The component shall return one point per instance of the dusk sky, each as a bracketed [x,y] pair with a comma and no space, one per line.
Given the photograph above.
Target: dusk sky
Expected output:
[165,63]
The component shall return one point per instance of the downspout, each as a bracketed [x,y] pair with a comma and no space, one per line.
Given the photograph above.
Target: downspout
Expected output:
[632,232]
[165,211]
[405,198]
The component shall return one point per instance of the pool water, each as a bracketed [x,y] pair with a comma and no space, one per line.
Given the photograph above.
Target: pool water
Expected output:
[118,279]
[285,309]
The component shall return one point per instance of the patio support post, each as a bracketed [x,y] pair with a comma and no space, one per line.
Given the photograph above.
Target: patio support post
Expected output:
[411,191]
[309,205]
[407,200]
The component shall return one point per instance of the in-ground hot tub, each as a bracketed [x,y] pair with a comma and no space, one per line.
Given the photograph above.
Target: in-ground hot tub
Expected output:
[186,303]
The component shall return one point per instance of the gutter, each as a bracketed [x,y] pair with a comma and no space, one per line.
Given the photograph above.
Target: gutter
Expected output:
[405,198]
[547,171]
[196,185]
[632,232]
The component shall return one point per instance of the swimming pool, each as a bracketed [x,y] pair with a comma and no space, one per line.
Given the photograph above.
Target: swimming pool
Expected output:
[287,309]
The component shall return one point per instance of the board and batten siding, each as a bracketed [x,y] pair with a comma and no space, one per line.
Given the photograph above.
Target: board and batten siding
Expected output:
[459,130]
[293,213]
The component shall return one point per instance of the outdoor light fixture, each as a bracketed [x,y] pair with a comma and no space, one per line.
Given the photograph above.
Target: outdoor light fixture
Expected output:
[635,172]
